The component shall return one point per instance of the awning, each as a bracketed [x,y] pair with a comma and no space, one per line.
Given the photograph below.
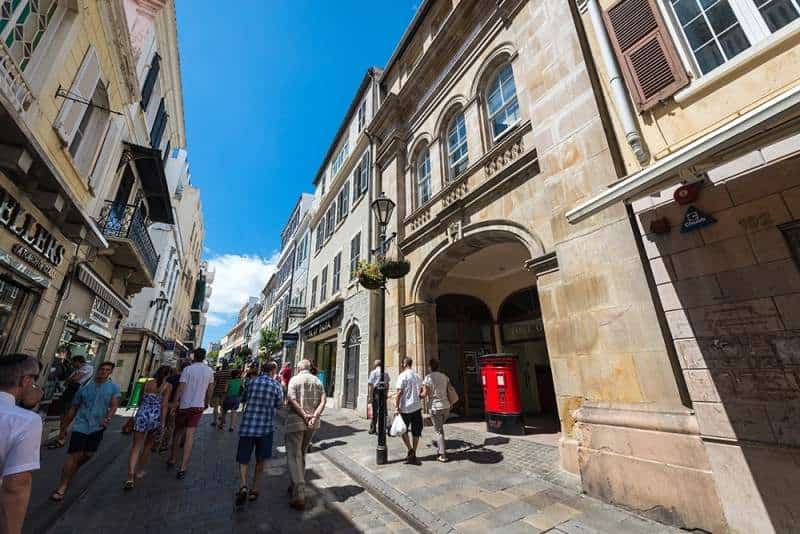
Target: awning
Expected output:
[325,318]
[150,168]
[775,119]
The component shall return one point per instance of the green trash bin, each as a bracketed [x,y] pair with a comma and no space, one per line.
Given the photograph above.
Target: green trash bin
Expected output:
[136,394]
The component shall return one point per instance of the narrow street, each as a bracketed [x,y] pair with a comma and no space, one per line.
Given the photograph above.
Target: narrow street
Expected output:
[493,483]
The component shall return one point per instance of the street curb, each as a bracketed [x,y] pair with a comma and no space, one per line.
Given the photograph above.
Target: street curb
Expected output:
[417,517]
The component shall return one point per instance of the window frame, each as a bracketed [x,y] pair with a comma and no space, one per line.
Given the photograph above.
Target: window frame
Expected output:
[495,77]
[344,200]
[426,154]
[452,165]
[336,282]
[362,115]
[355,254]
[323,285]
[330,219]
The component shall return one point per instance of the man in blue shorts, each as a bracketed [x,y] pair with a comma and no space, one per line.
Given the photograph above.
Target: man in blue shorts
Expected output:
[262,396]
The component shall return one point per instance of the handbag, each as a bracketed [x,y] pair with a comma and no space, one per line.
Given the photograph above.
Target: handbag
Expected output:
[452,394]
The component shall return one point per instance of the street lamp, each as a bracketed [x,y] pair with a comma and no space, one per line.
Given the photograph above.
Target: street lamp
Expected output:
[382,208]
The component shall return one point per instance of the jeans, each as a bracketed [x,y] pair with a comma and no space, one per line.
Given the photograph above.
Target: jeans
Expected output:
[439,417]
[296,447]
[376,401]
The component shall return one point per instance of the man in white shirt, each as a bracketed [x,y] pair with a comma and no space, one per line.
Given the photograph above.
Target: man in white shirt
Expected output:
[20,437]
[409,405]
[372,392]
[194,394]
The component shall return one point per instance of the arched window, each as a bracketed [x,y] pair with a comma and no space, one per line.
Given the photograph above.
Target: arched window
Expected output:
[501,102]
[422,174]
[457,154]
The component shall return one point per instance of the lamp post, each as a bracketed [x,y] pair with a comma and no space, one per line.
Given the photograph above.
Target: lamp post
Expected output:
[382,208]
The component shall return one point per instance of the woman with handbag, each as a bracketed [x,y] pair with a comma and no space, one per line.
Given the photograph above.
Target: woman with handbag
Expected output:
[148,423]
[441,395]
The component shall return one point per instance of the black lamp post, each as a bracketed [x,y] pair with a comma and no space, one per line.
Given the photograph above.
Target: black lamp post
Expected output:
[382,207]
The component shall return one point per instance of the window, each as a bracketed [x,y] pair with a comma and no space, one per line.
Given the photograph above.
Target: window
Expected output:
[338,161]
[361,177]
[320,234]
[330,220]
[22,25]
[457,157]
[150,81]
[337,271]
[323,285]
[90,131]
[362,115]
[502,102]
[82,130]
[717,31]
[423,176]
[344,201]
[159,125]
[355,254]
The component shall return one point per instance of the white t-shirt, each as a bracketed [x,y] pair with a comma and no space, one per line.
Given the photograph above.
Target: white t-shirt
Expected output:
[20,437]
[409,384]
[375,375]
[197,378]
[437,390]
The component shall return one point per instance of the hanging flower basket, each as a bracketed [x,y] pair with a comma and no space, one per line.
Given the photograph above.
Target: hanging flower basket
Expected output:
[395,268]
[369,275]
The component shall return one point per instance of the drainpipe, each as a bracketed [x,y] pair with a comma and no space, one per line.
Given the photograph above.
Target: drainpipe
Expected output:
[619,93]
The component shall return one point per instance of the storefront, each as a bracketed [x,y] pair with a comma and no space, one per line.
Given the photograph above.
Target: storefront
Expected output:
[320,334]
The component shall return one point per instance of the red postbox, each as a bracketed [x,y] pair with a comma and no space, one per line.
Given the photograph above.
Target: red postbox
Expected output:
[501,399]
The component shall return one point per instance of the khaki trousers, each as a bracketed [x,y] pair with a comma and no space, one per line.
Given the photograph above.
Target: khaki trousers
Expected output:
[296,447]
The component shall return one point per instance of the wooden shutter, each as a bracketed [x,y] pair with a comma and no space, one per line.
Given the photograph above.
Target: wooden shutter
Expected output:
[150,81]
[646,52]
[82,88]
[110,151]
[159,125]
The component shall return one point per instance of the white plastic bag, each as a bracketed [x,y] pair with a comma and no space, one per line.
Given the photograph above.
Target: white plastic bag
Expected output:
[398,426]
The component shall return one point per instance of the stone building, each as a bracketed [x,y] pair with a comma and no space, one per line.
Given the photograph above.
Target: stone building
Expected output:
[708,163]
[489,132]
[338,333]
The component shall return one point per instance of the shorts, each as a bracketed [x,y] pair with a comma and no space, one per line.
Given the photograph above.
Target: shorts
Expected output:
[231,402]
[216,400]
[188,417]
[413,421]
[88,443]
[262,445]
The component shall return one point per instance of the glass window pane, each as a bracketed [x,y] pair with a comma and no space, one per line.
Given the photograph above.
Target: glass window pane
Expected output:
[509,90]
[777,13]
[686,10]
[734,41]
[698,33]
[709,57]
[721,17]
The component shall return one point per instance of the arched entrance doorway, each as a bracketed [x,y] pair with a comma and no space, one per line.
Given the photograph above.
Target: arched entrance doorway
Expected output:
[522,334]
[464,328]
[351,365]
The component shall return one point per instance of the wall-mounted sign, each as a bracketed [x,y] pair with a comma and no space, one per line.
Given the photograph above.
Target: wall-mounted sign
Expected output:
[23,224]
[34,260]
[695,219]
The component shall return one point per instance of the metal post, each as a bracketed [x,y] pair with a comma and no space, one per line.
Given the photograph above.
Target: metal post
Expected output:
[381,453]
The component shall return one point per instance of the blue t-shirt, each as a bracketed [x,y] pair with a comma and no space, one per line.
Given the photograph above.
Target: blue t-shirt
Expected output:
[93,401]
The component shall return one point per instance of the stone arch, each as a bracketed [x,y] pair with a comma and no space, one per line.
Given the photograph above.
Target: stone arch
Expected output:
[453,104]
[472,237]
[503,53]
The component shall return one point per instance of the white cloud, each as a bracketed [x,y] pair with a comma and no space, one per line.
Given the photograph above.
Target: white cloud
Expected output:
[237,278]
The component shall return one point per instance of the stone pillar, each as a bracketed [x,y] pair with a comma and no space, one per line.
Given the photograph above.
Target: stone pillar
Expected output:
[421,339]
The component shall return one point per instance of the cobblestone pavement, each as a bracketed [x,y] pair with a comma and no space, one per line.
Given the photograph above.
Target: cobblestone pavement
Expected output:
[203,502]
[492,483]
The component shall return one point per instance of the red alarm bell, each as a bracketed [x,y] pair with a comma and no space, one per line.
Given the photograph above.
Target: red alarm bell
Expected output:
[686,194]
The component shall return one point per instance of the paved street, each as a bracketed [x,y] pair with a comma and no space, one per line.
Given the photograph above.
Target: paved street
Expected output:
[492,482]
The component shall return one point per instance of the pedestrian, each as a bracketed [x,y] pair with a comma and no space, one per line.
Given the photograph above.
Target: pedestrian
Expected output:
[233,398]
[221,378]
[435,389]
[194,392]
[285,375]
[262,397]
[409,407]
[92,409]
[81,375]
[20,437]
[173,380]
[306,403]
[373,392]
[148,425]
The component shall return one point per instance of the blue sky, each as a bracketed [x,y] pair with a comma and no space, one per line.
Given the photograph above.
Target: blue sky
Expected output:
[265,88]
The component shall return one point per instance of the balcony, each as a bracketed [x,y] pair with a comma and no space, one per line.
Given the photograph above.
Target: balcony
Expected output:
[130,247]
[12,82]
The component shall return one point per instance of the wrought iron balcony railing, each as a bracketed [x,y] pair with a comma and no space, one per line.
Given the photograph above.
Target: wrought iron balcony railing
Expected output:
[12,82]
[123,221]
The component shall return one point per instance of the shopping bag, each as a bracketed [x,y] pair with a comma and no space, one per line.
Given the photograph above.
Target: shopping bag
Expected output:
[398,426]
[452,394]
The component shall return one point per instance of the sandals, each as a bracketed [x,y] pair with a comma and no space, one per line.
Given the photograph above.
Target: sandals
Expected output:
[241,496]
[443,459]
[57,496]
[56,444]
[180,475]
[252,496]
[128,485]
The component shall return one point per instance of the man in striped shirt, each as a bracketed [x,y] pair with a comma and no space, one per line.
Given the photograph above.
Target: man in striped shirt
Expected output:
[262,396]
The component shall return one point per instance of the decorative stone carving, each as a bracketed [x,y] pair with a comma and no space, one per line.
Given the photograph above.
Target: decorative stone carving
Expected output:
[505,157]
[455,191]
[140,15]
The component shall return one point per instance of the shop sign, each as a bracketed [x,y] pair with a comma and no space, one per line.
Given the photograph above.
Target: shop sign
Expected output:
[35,261]
[695,219]
[23,224]
[523,330]
[88,325]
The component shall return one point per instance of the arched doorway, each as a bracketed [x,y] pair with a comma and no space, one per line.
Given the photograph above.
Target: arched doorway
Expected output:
[464,331]
[351,365]
[522,333]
